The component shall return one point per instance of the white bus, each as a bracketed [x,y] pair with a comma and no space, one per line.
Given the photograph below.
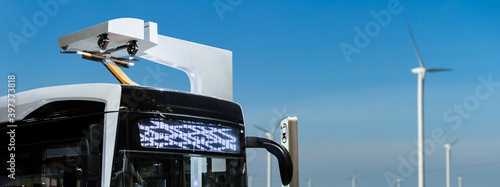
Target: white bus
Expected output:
[119,135]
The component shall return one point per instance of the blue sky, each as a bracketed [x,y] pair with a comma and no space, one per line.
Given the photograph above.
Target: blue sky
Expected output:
[355,117]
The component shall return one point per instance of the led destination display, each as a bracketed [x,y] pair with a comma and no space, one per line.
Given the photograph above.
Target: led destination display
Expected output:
[162,133]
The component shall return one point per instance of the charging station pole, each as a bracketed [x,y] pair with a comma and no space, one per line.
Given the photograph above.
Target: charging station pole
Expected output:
[289,139]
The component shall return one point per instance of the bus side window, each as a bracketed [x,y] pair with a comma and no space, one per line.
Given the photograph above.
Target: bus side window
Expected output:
[48,143]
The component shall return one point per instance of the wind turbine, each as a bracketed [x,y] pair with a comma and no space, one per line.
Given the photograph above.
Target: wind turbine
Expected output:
[310,181]
[420,71]
[354,181]
[270,135]
[250,180]
[448,155]
[460,181]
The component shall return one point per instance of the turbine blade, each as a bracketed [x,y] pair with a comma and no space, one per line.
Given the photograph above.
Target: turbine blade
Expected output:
[260,128]
[437,70]
[415,46]
[454,142]
[276,127]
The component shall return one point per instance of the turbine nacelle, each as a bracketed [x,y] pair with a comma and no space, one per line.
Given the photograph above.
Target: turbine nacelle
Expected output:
[447,146]
[269,135]
[418,70]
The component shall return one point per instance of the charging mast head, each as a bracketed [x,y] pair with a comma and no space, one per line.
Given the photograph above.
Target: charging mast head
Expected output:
[209,69]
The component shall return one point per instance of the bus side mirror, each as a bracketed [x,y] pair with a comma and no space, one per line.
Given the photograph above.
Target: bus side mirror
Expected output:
[89,153]
[280,152]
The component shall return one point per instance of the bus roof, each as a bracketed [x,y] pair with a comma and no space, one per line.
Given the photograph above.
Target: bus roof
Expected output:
[28,101]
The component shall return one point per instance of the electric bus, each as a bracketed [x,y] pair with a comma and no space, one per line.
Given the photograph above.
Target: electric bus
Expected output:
[119,135]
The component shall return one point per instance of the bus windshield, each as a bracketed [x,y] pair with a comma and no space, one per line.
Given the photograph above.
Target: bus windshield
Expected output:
[162,150]
[143,169]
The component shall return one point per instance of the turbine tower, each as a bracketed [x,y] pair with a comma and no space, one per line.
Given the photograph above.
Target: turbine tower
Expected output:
[270,135]
[420,71]
[354,181]
[460,181]
[448,155]
[250,181]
